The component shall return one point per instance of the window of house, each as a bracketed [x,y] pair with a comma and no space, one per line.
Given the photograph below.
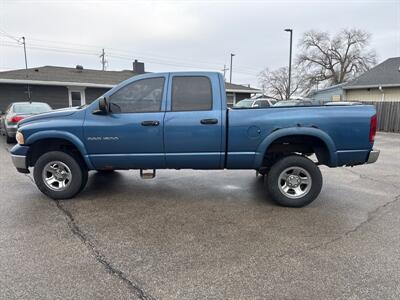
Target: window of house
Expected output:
[76,99]
[140,96]
[190,93]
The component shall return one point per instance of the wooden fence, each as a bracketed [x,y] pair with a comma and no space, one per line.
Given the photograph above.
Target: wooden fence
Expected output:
[388,115]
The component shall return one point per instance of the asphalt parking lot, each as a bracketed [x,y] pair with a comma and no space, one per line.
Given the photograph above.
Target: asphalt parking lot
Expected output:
[201,234]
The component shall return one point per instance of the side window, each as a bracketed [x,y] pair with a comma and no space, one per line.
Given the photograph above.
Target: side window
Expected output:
[190,93]
[264,103]
[140,96]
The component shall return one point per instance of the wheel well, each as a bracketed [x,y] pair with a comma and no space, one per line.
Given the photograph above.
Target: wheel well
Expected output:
[301,144]
[42,146]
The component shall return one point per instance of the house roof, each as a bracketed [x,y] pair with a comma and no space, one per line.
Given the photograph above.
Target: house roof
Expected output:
[327,89]
[52,75]
[386,74]
[238,88]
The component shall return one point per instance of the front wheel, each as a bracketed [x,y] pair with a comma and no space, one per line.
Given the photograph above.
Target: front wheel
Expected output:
[294,181]
[59,175]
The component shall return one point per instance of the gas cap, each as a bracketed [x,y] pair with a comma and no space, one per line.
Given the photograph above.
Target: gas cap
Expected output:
[254,132]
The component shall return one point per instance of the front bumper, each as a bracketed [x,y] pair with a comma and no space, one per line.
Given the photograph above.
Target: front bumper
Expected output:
[19,157]
[19,162]
[373,156]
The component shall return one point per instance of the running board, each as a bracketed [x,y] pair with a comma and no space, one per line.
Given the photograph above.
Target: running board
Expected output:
[147,174]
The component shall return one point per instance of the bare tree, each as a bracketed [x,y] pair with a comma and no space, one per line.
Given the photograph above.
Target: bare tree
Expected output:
[335,59]
[275,83]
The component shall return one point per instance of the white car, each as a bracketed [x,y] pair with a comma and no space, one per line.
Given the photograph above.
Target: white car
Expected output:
[251,103]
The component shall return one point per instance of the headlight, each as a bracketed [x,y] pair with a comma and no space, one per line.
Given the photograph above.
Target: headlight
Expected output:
[20,138]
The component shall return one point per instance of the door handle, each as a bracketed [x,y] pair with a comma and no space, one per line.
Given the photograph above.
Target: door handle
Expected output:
[209,121]
[150,123]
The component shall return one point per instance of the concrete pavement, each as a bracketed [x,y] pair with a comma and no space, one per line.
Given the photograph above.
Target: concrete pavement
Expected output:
[203,234]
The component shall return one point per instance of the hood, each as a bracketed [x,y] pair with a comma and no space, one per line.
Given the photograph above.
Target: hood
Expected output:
[51,114]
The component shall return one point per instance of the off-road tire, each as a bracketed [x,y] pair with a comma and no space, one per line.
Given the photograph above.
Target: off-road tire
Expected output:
[78,171]
[293,161]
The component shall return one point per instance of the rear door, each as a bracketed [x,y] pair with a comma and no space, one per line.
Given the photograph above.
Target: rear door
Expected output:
[193,122]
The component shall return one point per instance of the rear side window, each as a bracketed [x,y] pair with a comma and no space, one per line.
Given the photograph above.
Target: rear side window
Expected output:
[262,103]
[139,96]
[190,93]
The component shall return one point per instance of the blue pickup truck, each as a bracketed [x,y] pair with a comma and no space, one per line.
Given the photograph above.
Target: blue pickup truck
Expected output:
[181,121]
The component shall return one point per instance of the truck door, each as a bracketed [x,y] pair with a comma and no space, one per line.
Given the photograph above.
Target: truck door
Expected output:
[130,136]
[193,122]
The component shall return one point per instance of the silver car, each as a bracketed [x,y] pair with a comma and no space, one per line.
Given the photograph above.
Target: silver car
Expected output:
[16,112]
[251,103]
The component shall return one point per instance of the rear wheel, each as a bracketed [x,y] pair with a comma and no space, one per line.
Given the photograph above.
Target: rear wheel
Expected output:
[294,181]
[59,175]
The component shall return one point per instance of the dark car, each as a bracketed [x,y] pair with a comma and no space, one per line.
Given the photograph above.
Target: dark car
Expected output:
[16,112]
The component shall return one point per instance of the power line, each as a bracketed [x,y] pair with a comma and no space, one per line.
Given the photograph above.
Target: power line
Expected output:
[125,55]
[146,55]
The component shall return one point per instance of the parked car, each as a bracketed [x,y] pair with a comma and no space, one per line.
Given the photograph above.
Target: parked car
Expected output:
[343,103]
[294,103]
[181,121]
[251,103]
[16,112]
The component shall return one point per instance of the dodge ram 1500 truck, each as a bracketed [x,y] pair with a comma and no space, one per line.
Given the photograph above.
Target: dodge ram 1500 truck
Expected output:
[181,121]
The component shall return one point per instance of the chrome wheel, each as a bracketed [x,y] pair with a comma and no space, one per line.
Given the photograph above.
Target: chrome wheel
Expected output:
[294,182]
[56,175]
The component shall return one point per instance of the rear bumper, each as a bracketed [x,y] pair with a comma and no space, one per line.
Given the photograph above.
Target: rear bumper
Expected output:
[11,130]
[373,156]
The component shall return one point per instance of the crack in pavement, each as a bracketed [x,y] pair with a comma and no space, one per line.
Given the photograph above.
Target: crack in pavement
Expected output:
[76,230]
[363,176]
[371,216]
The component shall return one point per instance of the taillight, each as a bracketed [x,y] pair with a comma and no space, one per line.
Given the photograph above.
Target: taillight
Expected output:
[372,129]
[15,119]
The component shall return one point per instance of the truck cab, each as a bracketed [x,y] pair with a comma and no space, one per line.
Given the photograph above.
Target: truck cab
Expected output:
[167,120]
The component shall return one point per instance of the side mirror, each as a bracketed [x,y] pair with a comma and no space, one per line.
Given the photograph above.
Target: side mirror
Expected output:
[256,105]
[103,107]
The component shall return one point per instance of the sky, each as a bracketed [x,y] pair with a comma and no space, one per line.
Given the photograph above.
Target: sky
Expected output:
[183,35]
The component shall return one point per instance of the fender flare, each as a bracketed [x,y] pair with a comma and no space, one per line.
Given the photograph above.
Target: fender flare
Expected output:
[308,131]
[57,134]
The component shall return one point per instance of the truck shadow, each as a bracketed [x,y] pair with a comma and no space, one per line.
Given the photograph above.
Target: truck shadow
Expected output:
[125,186]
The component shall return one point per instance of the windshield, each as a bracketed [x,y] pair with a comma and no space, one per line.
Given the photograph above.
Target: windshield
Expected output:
[31,108]
[244,103]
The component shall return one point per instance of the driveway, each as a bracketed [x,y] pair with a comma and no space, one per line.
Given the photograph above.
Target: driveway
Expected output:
[203,234]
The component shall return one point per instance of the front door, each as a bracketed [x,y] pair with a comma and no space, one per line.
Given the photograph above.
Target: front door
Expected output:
[193,125]
[131,135]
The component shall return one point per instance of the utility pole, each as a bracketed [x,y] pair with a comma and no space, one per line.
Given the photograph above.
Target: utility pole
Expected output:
[290,62]
[103,59]
[26,69]
[230,71]
[224,70]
